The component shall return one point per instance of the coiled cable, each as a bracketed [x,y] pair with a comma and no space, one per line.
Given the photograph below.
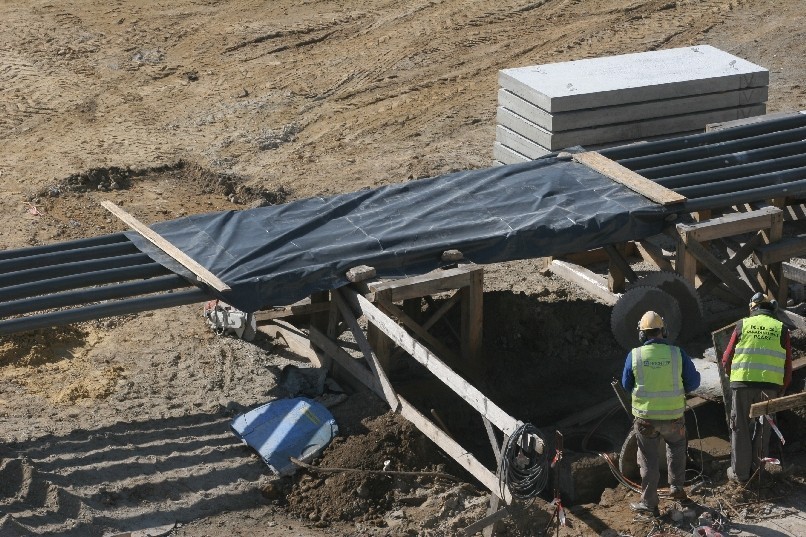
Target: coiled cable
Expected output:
[524,465]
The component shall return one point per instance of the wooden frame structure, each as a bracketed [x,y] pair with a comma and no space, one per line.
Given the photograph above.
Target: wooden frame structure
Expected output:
[728,278]
[393,310]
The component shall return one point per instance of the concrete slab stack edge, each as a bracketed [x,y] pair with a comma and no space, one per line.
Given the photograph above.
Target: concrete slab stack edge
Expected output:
[608,115]
[521,144]
[625,131]
[630,78]
[507,155]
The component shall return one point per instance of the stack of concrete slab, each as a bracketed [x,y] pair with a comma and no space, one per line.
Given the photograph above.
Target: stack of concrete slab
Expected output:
[616,100]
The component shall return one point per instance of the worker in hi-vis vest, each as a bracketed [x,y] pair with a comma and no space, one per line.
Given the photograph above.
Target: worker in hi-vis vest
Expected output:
[758,361]
[659,374]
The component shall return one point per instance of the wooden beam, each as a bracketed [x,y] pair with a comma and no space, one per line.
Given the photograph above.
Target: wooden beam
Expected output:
[591,282]
[794,272]
[782,250]
[434,282]
[389,394]
[460,386]
[776,405]
[731,224]
[730,278]
[418,330]
[734,262]
[488,520]
[303,307]
[472,319]
[408,411]
[454,449]
[654,254]
[154,238]
[635,182]
[296,340]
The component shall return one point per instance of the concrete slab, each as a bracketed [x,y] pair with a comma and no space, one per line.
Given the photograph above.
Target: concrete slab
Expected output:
[518,143]
[608,115]
[644,76]
[506,155]
[636,130]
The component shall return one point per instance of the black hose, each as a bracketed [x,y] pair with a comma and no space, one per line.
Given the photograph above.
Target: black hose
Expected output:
[523,470]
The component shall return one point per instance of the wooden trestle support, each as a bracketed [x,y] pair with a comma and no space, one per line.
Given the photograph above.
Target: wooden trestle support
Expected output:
[392,309]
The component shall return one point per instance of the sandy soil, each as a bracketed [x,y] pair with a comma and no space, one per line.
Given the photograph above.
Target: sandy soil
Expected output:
[197,106]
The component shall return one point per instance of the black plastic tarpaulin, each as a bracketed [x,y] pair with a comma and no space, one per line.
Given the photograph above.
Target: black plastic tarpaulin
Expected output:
[280,254]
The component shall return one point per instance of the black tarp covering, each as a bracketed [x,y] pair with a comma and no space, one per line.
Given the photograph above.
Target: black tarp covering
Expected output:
[280,254]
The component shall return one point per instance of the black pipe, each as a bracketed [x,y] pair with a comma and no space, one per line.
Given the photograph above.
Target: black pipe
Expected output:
[743,183]
[63,246]
[107,309]
[94,294]
[732,172]
[644,164]
[78,267]
[795,188]
[76,281]
[722,160]
[694,140]
[67,256]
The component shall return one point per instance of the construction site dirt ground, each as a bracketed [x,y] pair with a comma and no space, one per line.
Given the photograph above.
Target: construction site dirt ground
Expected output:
[171,109]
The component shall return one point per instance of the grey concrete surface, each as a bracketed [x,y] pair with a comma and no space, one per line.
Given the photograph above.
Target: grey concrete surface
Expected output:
[608,115]
[644,76]
[519,143]
[626,132]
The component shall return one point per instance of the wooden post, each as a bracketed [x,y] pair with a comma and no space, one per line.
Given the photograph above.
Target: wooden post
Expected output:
[379,342]
[473,322]
[321,320]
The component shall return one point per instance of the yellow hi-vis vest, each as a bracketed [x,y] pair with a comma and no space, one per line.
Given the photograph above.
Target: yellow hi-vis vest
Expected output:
[759,356]
[658,393]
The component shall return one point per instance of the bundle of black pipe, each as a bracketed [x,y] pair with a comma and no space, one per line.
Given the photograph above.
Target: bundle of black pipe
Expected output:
[108,273]
[754,162]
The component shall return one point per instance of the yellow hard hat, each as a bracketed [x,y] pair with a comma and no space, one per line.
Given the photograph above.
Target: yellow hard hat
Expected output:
[650,321]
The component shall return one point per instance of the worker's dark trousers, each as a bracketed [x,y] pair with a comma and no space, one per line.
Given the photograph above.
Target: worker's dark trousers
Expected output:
[649,434]
[745,446]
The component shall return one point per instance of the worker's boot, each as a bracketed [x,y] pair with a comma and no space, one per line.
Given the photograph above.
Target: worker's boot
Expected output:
[643,508]
[677,493]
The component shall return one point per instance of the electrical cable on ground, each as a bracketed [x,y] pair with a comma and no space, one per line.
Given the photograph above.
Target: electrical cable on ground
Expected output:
[523,470]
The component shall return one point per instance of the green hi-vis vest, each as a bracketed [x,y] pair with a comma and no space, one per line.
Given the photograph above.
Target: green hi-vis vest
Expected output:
[658,393]
[759,356]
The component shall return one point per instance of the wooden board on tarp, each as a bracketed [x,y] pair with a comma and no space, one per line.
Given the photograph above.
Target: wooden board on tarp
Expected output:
[721,338]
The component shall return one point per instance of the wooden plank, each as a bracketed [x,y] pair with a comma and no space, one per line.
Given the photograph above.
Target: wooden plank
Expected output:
[154,238]
[776,405]
[794,272]
[294,338]
[731,224]
[434,282]
[591,282]
[597,255]
[730,278]
[635,182]
[388,392]
[460,386]
[303,307]
[782,250]
[653,254]
[472,326]
[734,262]
[343,358]
[418,330]
[408,411]
[453,448]
[488,520]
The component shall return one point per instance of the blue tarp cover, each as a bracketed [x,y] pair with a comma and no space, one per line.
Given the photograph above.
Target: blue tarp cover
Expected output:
[276,255]
[299,428]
